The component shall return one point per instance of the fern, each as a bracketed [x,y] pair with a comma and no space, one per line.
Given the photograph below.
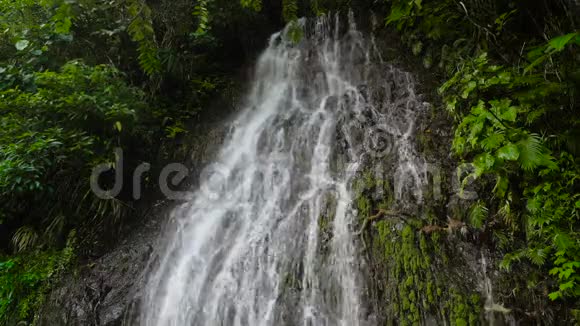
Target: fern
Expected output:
[477,214]
[141,31]
[289,10]
[506,211]
[500,112]
[534,115]
[533,153]
[148,59]
[316,8]
[63,18]
[537,256]
[501,186]
[55,227]
[493,141]
[201,12]
[255,5]
[295,32]
[510,258]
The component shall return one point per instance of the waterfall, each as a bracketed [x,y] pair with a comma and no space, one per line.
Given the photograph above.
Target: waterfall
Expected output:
[269,236]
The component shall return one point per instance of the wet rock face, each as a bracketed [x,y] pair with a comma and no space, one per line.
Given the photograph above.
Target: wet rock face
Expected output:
[101,292]
[432,267]
[107,290]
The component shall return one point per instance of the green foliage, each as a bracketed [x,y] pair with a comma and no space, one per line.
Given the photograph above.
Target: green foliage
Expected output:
[289,10]
[61,116]
[403,11]
[255,5]
[30,29]
[553,212]
[508,148]
[540,54]
[202,13]
[24,280]
[478,214]
[25,238]
[50,139]
[142,32]
[516,115]
[414,287]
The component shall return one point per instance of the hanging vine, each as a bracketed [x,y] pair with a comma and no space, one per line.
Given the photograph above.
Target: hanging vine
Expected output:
[141,30]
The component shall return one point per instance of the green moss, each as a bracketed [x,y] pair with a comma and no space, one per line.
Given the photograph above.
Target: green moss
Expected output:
[26,279]
[460,322]
[414,286]
[364,207]
[475,299]
[322,223]
[430,296]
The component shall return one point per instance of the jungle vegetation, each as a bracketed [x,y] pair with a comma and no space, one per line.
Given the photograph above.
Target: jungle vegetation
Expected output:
[81,77]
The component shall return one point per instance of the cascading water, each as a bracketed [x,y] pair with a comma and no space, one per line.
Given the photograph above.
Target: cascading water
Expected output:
[269,237]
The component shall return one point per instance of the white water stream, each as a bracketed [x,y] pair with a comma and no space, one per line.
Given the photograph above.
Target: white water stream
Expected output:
[270,239]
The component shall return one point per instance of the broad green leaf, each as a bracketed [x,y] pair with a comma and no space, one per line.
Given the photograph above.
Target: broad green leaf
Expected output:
[479,109]
[509,152]
[565,273]
[568,285]
[22,44]
[397,13]
[554,295]
[510,114]
[536,52]
[572,264]
[483,163]
[536,62]
[558,43]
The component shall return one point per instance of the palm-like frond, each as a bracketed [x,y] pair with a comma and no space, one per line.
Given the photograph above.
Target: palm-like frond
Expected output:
[477,214]
[289,10]
[536,256]
[533,153]
[55,227]
[25,238]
